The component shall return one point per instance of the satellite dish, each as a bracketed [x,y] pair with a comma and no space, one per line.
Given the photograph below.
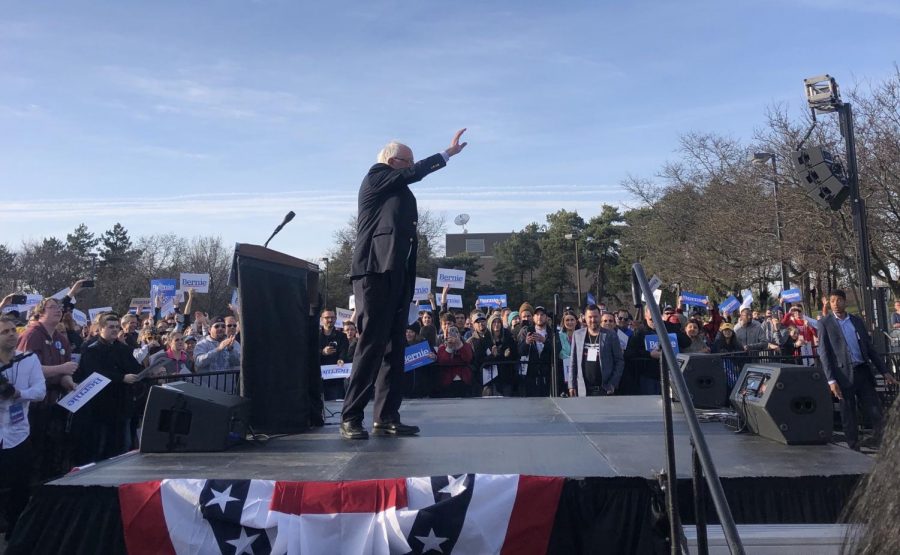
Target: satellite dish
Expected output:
[462,220]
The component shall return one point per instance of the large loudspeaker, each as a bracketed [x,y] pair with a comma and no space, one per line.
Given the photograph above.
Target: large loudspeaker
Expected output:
[787,403]
[705,378]
[186,417]
[822,176]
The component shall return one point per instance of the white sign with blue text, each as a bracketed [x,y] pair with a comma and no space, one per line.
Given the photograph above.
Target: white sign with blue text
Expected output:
[86,390]
[454,301]
[336,371]
[198,282]
[423,288]
[341,314]
[651,342]
[456,279]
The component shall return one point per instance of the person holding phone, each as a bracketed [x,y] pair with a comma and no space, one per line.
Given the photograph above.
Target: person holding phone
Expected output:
[454,358]
[333,347]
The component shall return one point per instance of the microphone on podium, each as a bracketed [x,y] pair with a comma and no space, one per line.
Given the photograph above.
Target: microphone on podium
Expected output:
[290,216]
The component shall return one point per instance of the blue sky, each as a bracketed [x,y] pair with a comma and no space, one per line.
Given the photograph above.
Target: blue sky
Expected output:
[218,117]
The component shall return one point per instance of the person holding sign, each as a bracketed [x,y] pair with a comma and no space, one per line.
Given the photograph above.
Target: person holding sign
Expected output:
[113,407]
[644,364]
[333,347]
[21,382]
[383,273]
[597,359]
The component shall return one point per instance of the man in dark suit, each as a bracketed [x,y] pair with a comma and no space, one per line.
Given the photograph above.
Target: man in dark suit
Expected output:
[383,275]
[597,360]
[846,350]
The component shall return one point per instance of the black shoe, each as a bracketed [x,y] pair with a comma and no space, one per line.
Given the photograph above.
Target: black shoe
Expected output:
[353,430]
[394,428]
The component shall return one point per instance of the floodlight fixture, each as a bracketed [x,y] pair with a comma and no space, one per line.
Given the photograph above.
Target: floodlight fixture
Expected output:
[822,93]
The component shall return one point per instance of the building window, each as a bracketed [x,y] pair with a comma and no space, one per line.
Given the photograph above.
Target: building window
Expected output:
[475,245]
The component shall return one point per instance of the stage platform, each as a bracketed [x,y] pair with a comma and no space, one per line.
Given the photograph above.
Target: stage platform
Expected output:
[580,437]
[604,451]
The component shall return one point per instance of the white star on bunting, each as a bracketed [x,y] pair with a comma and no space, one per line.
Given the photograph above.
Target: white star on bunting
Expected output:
[221,498]
[431,542]
[243,543]
[455,487]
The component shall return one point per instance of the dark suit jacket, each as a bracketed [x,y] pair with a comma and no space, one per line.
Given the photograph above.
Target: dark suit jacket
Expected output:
[835,356]
[386,239]
[612,362]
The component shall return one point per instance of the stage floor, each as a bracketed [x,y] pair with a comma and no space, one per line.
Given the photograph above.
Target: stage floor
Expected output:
[581,437]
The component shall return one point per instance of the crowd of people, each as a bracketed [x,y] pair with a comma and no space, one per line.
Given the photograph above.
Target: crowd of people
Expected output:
[45,354]
[481,352]
[503,351]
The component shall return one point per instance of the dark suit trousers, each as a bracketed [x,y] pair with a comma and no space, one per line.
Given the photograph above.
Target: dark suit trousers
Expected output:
[382,307]
[863,389]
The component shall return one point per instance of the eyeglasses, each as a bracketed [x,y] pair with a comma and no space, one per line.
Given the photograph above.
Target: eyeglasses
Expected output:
[230,325]
[407,160]
[218,326]
[606,321]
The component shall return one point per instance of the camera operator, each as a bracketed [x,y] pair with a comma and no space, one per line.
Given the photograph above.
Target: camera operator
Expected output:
[332,350]
[21,381]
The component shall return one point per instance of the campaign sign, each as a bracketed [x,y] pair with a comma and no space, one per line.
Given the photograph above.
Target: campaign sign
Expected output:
[199,282]
[93,312]
[85,391]
[651,342]
[423,288]
[792,296]
[32,300]
[694,299]
[456,279]
[417,355]
[166,288]
[80,317]
[413,313]
[454,301]
[336,371]
[496,301]
[15,307]
[730,304]
[138,302]
[341,314]
[747,298]
[60,294]
[654,282]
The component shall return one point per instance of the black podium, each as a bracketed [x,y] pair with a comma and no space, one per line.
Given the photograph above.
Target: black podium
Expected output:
[280,372]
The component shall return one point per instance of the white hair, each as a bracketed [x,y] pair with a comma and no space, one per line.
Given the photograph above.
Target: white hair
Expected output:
[390,150]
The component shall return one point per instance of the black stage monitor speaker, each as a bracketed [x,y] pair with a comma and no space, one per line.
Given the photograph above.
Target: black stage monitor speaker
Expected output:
[186,417]
[787,403]
[705,378]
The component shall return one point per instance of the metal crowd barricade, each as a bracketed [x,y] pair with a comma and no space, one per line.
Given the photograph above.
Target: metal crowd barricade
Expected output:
[223,380]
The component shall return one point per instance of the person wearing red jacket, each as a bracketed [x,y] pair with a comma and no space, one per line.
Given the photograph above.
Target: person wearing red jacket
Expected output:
[454,358]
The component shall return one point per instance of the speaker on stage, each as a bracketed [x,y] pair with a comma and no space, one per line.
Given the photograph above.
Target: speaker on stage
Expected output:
[186,417]
[787,403]
[705,378]
[822,176]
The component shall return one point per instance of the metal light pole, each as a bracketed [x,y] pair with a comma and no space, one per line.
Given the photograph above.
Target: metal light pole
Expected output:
[325,300]
[762,158]
[574,237]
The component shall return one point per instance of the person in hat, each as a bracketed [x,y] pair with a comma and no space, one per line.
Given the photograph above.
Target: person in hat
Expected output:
[217,352]
[807,329]
[727,341]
